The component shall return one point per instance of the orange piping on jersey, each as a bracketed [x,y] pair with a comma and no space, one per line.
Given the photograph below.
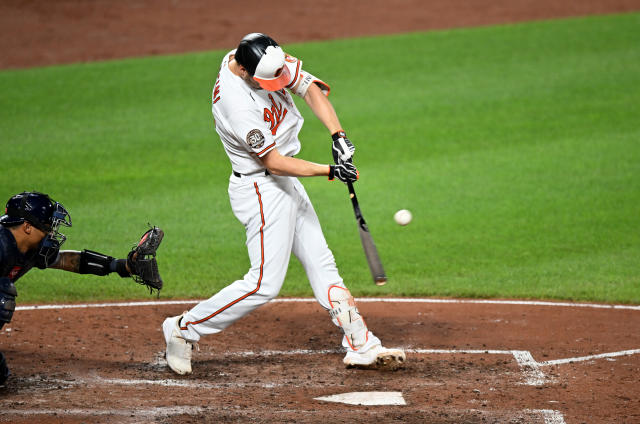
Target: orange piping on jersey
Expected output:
[184,327]
[321,84]
[266,148]
[295,78]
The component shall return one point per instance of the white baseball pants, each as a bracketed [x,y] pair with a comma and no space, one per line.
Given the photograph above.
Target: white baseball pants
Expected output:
[279,219]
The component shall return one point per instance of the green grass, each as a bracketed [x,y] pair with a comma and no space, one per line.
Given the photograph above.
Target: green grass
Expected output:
[516,148]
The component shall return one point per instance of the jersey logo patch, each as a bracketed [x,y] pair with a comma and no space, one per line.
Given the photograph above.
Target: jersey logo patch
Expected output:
[255,139]
[275,116]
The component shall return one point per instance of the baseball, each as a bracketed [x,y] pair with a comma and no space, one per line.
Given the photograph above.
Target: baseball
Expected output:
[402,217]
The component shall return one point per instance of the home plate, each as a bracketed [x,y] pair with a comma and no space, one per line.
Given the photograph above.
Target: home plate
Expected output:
[366,398]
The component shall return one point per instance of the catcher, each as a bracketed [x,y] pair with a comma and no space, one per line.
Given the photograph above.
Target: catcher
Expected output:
[29,237]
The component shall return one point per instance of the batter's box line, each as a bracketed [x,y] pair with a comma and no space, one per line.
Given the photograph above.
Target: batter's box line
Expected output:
[531,369]
[533,374]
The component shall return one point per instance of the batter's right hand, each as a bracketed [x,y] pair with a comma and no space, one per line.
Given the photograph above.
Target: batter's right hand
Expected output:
[345,172]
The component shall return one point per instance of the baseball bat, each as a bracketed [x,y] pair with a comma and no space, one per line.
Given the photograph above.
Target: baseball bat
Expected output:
[370,251]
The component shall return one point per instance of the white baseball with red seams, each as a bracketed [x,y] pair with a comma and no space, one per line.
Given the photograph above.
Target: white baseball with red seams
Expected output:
[276,211]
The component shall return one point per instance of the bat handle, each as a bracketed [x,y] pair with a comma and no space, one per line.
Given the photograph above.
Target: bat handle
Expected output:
[351,189]
[356,205]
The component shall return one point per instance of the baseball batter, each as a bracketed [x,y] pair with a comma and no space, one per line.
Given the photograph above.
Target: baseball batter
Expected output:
[258,124]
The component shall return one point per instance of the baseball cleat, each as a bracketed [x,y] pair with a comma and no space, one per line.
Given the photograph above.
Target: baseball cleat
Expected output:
[376,358]
[179,350]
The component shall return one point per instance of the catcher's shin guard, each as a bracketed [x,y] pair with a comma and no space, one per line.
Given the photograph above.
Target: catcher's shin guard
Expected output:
[4,369]
[8,295]
[344,311]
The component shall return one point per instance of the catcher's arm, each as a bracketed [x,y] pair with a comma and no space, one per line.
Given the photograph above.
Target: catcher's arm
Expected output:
[140,263]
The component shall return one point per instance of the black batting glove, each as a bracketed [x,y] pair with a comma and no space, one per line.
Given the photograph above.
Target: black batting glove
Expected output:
[342,149]
[345,172]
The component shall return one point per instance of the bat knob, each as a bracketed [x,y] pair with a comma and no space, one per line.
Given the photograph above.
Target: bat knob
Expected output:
[381,281]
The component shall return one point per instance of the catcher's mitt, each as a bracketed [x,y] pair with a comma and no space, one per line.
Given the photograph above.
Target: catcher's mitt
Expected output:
[142,260]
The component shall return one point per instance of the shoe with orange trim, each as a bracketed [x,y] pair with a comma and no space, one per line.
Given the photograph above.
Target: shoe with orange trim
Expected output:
[179,350]
[376,358]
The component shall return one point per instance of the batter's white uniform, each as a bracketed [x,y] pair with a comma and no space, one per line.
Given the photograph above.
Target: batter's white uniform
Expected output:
[275,210]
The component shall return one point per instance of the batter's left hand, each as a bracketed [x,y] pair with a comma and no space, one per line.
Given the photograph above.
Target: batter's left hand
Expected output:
[345,172]
[342,148]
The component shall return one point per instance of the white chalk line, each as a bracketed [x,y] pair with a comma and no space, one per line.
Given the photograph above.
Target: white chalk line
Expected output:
[161,411]
[360,300]
[186,383]
[590,357]
[181,383]
[531,368]
[549,416]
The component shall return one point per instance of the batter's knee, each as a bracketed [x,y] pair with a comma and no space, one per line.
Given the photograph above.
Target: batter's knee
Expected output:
[266,288]
[269,291]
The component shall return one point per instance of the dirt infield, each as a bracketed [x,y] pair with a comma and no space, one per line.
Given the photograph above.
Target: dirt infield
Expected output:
[467,362]
[40,32]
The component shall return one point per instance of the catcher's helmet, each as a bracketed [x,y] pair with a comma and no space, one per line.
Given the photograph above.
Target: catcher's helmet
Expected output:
[38,209]
[43,213]
[263,58]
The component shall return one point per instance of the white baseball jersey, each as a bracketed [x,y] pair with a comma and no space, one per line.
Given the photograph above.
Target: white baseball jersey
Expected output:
[276,211]
[251,122]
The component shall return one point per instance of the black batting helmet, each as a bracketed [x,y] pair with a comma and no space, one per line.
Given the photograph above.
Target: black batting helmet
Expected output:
[251,49]
[264,60]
